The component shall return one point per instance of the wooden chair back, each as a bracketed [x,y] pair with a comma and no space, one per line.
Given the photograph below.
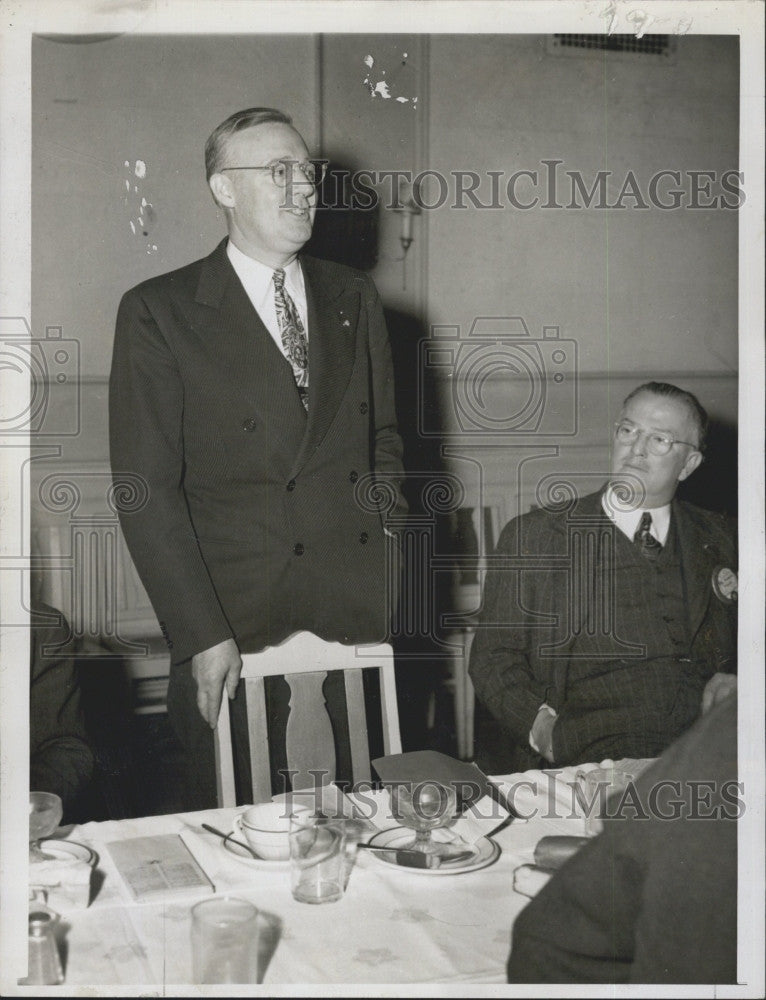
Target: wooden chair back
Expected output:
[305,660]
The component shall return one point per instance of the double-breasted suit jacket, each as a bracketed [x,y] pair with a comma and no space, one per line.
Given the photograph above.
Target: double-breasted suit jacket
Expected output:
[576,618]
[256,519]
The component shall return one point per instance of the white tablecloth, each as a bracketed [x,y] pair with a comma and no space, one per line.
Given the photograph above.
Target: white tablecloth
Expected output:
[391,926]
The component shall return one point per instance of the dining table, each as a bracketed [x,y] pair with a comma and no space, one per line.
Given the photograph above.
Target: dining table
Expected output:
[393,925]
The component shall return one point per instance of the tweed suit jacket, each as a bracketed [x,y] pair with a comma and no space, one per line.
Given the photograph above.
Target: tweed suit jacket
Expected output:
[255,520]
[569,619]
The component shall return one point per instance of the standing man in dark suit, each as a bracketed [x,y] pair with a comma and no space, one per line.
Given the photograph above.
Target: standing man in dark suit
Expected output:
[253,392]
[609,626]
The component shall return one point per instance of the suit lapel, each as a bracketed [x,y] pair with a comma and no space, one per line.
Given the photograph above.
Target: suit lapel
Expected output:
[699,555]
[333,318]
[256,369]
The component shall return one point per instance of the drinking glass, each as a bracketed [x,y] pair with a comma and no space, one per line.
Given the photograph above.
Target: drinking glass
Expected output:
[318,867]
[423,807]
[225,941]
[602,789]
[45,812]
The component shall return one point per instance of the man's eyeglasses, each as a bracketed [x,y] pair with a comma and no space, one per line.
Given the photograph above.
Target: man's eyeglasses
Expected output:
[657,444]
[283,171]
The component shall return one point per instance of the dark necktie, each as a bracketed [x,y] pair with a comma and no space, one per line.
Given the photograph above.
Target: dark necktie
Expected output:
[645,541]
[294,340]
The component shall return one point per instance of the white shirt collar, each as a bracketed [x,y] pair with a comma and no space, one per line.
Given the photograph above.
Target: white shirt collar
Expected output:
[628,520]
[257,277]
[257,280]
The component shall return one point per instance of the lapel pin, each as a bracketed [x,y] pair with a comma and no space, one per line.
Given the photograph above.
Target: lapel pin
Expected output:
[725,584]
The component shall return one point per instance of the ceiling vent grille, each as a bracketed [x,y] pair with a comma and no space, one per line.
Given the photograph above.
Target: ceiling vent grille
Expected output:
[648,45]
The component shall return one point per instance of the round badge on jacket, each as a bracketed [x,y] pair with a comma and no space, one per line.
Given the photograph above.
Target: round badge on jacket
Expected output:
[725,584]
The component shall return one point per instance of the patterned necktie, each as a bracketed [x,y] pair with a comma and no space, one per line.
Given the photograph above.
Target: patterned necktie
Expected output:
[294,339]
[647,544]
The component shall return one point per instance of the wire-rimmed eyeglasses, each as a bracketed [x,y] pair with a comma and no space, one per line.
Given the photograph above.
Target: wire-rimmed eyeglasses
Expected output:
[656,442]
[283,171]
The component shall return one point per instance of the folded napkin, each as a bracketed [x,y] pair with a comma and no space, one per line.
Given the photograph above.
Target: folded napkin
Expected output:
[470,782]
[552,794]
[65,881]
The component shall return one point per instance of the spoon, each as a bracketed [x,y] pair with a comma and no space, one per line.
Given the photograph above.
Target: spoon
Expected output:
[228,836]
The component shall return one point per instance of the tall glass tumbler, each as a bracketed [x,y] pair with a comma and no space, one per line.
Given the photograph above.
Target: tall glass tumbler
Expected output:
[318,863]
[224,941]
[602,789]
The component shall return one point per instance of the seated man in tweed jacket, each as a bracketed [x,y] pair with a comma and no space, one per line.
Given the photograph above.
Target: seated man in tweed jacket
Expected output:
[622,631]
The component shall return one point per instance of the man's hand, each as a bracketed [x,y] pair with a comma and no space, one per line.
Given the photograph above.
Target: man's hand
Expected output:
[541,735]
[210,669]
[719,686]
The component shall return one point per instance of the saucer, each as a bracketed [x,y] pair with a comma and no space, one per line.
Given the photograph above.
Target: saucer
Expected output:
[68,850]
[242,854]
[486,852]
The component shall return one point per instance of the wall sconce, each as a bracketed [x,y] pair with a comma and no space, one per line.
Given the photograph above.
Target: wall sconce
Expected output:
[406,210]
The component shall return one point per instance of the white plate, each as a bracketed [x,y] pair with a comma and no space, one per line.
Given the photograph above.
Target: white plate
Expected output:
[487,852]
[242,854]
[65,850]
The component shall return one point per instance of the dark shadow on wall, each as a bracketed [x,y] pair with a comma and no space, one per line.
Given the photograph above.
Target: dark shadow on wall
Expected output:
[425,704]
[348,234]
[714,485]
[345,229]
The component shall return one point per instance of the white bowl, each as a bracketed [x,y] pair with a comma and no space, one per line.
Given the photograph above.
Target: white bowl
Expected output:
[266,828]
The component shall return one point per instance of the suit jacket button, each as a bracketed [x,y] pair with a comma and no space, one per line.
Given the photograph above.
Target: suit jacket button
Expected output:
[248,424]
[298,549]
[290,486]
[363,408]
[353,476]
[363,538]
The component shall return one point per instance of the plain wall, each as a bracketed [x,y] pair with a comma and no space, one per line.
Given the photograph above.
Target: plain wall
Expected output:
[149,98]
[636,288]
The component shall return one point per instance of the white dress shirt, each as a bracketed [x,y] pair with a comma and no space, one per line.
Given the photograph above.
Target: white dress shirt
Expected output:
[628,520]
[257,280]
